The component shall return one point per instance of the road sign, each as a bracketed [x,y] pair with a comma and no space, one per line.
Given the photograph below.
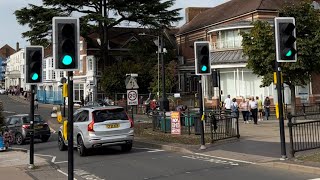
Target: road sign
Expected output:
[132,84]
[132,97]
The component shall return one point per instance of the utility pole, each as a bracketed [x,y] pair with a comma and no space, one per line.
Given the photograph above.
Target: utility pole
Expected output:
[164,102]
[70,126]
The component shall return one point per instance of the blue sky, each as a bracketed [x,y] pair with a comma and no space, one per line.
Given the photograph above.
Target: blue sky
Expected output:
[10,31]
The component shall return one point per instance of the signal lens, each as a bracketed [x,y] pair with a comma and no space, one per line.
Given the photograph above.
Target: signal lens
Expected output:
[35,76]
[67,60]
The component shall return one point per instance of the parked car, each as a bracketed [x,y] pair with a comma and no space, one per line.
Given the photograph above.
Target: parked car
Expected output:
[20,126]
[3,91]
[96,127]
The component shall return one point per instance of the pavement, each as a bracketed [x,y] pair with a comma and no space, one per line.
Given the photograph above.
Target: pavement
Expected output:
[258,145]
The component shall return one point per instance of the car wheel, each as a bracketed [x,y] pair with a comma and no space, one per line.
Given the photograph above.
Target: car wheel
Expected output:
[126,147]
[45,138]
[62,146]
[82,150]
[19,139]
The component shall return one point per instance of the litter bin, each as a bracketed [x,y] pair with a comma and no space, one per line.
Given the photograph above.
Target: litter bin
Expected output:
[165,124]
[189,120]
[197,124]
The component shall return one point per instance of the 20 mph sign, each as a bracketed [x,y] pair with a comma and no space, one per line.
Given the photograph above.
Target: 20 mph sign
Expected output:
[132,97]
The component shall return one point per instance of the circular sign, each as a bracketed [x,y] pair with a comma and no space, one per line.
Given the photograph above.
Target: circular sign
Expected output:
[132,95]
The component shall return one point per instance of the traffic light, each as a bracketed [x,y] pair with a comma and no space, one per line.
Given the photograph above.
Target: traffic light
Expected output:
[202,58]
[34,57]
[285,34]
[66,43]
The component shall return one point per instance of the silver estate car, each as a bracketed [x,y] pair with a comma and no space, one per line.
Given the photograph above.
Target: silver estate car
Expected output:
[95,127]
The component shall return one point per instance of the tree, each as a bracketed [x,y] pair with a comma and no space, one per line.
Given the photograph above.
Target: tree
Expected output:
[259,47]
[153,13]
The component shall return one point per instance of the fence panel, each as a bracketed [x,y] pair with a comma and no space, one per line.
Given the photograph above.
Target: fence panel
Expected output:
[49,97]
[303,135]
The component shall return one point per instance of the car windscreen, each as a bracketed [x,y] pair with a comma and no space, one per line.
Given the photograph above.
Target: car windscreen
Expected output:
[109,114]
[37,119]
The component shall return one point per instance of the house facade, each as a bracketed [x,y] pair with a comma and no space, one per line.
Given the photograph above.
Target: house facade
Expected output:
[14,76]
[5,52]
[221,26]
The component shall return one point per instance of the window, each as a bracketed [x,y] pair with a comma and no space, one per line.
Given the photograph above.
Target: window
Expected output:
[229,39]
[14,120]
[83,116]
[81,64]
[90,64]
[81,45]
[37,119]
[52,62]
[78,91]
[110,114]
[61,74]
[44,65]
[53,74]
[44,73]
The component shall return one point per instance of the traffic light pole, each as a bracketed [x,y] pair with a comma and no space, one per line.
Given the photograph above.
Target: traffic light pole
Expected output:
[31,115]
[70,126]
[201,114]
[281,118]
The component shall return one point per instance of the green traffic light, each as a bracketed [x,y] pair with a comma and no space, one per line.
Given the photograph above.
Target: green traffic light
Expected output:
[67,60]
[204,68]
[35,76]
[289,53]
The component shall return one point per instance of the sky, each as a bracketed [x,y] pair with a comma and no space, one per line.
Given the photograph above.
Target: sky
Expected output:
[11,31]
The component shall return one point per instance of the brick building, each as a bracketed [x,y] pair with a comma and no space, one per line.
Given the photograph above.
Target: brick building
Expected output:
[221,26]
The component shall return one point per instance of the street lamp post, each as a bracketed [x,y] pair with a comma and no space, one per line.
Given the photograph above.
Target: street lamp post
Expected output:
[158,53]
[164,102]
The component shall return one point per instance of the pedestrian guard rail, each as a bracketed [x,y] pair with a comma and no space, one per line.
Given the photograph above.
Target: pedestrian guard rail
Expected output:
[304,135]
[218,124]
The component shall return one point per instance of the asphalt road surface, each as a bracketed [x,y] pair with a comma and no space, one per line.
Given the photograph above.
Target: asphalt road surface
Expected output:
[144,163]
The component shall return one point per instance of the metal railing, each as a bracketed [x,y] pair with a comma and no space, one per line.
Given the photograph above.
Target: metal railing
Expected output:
[303,135]
[218,124]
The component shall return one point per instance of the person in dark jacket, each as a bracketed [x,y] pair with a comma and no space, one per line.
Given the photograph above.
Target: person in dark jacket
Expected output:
[266,105]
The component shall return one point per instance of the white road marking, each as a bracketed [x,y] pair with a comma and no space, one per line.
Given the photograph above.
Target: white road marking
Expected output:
[149,149]
[60,162]
[86,175]
[53,159]
[228,159]
[217,161]
[315,179]
[60,171]
[156,150]
[11,112]
[43,155]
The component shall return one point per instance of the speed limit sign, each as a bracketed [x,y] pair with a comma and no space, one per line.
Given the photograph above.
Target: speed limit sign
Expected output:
[132,97]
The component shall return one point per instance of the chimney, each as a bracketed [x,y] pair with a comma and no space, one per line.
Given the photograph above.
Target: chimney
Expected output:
[192,12]
[17,47]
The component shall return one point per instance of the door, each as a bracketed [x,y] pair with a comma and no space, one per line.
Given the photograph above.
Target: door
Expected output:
[76,116]
[15,124]
[81,125]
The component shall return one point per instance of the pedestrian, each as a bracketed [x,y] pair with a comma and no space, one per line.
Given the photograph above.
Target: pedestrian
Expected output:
[244,108]
[267,107]
[253,107]
[227,104]
[260,108]
[234,108]
[82,101]
[36,105]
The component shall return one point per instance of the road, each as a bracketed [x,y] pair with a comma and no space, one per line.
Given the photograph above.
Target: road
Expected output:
[144,163]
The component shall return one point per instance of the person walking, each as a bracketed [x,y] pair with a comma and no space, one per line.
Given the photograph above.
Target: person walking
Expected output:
[253,106]
[227,104]
[36,104]
[244,108]
[260,109]
[266,105]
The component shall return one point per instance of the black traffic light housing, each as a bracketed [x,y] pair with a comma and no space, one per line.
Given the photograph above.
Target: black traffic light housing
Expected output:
[34,58]
[202,58]
[66,43]
[285,35]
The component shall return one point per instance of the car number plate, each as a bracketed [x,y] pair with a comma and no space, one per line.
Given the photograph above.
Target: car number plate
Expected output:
[113,125]
[38,127]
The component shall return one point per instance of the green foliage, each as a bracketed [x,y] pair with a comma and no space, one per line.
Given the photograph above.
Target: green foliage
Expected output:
[170,77]
[153,13]
[113,80]
[259,46]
